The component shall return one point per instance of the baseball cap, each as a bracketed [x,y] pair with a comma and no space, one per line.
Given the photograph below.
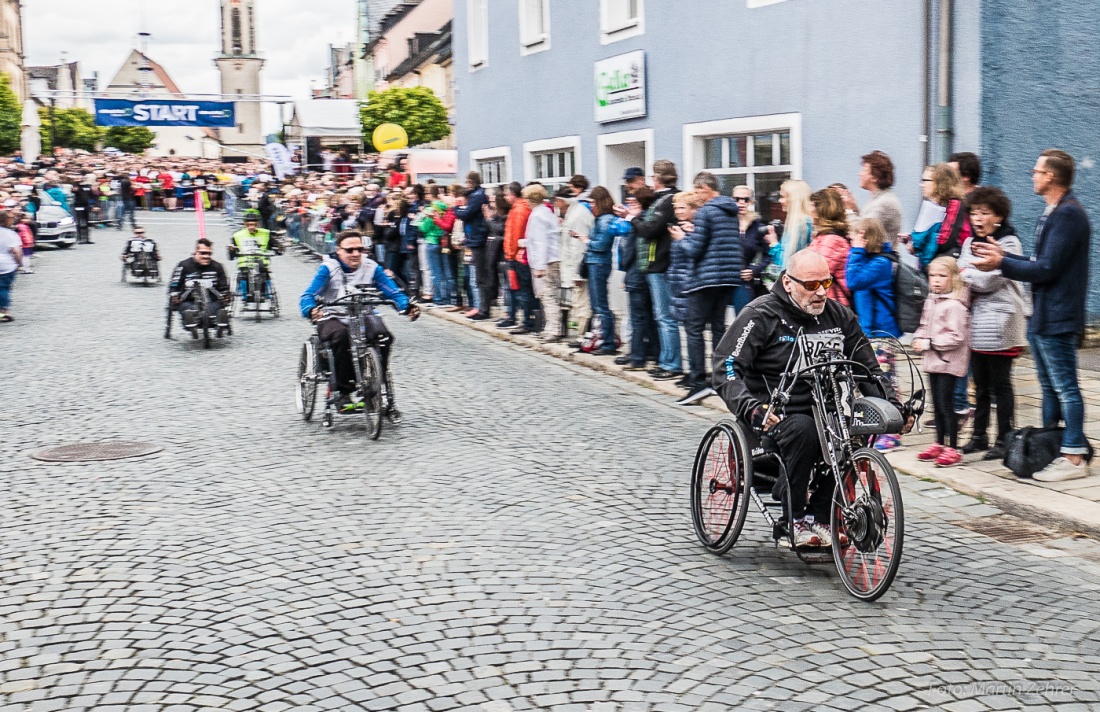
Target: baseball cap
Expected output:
[632,173]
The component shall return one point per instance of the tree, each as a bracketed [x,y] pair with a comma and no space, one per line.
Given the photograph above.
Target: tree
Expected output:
[11,118]
[74,128]
[131,139]
[415,109]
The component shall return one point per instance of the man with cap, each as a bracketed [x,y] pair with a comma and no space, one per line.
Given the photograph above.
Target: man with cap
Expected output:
[246,242]
[633,179]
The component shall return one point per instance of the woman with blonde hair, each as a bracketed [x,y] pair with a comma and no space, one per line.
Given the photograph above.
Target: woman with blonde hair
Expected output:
[831,240]
[942,185]
[794,197]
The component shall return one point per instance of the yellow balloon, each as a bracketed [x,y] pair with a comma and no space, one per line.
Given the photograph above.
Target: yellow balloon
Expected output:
[389,137]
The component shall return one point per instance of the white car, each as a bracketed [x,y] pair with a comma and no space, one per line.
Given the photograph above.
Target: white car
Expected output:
[55,225]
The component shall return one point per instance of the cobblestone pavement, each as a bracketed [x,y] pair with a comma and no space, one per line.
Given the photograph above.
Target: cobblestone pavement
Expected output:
[522,541]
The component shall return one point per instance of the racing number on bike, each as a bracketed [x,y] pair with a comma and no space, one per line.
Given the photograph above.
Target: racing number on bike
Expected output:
[812,348]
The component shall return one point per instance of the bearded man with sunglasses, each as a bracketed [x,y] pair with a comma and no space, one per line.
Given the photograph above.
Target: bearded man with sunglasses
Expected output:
[751,358]
[203,267]
[347,269]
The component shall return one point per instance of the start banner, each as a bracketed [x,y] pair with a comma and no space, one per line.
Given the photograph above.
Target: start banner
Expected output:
[164,112]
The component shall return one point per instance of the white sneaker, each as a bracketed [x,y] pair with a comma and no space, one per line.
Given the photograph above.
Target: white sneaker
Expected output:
[1061,470]
[822,532]
[804,535]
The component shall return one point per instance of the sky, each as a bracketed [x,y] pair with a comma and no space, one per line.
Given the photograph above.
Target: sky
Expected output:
[293,36]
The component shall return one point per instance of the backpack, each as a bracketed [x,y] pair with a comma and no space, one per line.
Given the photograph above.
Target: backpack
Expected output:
[910,291]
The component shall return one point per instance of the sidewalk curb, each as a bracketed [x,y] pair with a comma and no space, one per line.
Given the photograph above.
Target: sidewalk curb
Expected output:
[603,364]
[1016,497]
[1026,501]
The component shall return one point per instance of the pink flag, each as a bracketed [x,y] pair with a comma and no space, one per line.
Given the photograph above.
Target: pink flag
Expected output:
[199,214]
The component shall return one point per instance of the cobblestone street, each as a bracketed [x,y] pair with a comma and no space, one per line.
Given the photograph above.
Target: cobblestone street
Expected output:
[521,541]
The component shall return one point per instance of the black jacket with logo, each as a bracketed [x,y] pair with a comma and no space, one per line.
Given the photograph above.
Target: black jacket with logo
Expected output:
[213,273]
[652,227]
[755,351]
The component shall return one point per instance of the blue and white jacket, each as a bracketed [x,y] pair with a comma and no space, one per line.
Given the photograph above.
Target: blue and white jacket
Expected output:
[333,276]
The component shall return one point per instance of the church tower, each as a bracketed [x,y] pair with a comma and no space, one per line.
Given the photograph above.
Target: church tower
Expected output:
[240,65]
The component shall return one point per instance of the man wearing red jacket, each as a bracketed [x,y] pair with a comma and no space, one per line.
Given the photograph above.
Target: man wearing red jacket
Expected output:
[515,227]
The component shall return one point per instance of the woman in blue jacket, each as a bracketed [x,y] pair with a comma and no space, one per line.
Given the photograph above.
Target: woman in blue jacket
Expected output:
[597,259]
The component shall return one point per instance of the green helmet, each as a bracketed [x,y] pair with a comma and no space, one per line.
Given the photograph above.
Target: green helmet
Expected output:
[252,215]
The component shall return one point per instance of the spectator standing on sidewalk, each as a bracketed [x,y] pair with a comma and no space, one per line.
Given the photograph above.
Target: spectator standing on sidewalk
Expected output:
[471,211]
[576,226]
[946,237]
[754,249]
[645,343]
[876,176]
[969,168]
[1058,274]
[543,242]
[597,260]
[998,319]
[798,230]
[11,259]
[25,228]
[831,240]
[714,251]
[943,339]
[652,229]
[514,229]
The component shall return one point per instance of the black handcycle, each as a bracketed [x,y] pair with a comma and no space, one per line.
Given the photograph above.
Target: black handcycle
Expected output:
[202,294]
[141,266]
[735,464]
[317,365]
[254,275]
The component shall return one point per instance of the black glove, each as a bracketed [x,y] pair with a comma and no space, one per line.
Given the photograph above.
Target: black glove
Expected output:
[758,417]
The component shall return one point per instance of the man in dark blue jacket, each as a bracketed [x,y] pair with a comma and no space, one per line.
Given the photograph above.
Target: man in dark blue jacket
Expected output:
[714,248]
[1059,275]
[471,211]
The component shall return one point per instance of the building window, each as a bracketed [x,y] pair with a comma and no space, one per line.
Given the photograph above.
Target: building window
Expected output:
[534,26]
[552,162]
[494,165]
[477,16]
[620,19]
[760,152]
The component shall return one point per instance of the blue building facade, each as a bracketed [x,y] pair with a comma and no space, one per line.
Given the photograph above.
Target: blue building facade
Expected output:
[761,90]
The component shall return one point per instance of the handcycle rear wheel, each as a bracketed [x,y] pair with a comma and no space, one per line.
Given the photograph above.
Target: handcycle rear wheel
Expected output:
[720,482]
[370,388]
[306,390]
[868,525]
[255,288]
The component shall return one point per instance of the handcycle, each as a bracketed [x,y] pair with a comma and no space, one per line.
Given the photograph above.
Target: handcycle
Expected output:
[867,521]
[202,294]
[255,276]
[317,365]
[141,265]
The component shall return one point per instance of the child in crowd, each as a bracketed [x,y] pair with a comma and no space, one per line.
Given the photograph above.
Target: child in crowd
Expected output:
[26,235]
[944,340]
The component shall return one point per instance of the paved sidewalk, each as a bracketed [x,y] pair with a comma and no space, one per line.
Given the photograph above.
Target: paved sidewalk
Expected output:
[1071,506]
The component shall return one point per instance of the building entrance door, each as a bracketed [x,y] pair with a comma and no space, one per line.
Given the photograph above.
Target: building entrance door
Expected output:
[617,158]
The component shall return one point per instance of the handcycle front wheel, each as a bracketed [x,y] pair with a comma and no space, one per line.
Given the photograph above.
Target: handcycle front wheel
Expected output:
[305,395]
[720,482]
[868,525]
[370,388]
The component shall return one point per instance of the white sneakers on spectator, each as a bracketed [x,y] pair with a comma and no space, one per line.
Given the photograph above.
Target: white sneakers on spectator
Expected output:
[1061,470]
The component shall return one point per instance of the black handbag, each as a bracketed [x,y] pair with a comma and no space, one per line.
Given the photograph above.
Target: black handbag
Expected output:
[1029,450]
[582,270]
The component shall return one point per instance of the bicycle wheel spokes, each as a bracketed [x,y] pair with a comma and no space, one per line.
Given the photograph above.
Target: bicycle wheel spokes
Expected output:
[306,391]
[370,388]
[868,525]
[720,481]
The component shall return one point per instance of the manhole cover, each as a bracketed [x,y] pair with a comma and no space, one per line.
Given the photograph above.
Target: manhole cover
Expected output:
[91,452]
[1008,530]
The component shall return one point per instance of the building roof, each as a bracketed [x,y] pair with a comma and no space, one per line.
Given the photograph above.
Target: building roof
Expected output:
[51,74]
[159,81]
[424,48]
[390,19]
[327,118]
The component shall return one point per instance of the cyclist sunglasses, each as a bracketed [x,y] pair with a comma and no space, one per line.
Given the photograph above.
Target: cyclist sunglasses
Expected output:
[814,284]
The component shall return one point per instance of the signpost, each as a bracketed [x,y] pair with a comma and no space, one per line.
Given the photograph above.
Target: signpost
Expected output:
[620,87]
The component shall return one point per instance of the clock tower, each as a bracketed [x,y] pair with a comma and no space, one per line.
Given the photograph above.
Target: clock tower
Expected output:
[240,65]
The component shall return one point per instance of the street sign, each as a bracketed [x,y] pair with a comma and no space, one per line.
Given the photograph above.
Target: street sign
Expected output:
[164,112]
[620,87]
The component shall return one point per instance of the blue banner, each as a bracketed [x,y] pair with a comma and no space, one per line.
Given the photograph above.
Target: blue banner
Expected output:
[164,112]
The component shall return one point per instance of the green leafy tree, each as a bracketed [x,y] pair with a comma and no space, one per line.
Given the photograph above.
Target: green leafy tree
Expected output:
[131,139]
[416,109]
[74,128]
[11,118]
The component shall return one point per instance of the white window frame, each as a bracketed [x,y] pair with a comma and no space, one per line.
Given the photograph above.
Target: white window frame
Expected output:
[477,49]
[530,43]
[617,31]
[753,4]
[694,135]
[500,152]
[562,143]
[603,141]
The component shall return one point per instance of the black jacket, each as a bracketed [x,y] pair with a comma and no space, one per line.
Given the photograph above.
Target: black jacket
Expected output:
[652,226]
[189,268]
[751,357]
[83,197]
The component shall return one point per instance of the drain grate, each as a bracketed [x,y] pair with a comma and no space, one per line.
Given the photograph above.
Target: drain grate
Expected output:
[1008,529]
[92,452]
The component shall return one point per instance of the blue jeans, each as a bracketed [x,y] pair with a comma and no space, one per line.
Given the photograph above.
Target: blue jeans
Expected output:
[671,355]
[442,282]
[7,280]
[126,207]
[962,398]
[598,300]
[644,341]
[1056,366]
[230,203]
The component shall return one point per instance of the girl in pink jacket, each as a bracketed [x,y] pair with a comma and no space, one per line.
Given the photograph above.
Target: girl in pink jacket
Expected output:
[944,339]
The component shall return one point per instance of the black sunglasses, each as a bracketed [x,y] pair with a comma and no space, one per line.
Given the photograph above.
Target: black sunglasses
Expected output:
[814,284]
[204,253]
